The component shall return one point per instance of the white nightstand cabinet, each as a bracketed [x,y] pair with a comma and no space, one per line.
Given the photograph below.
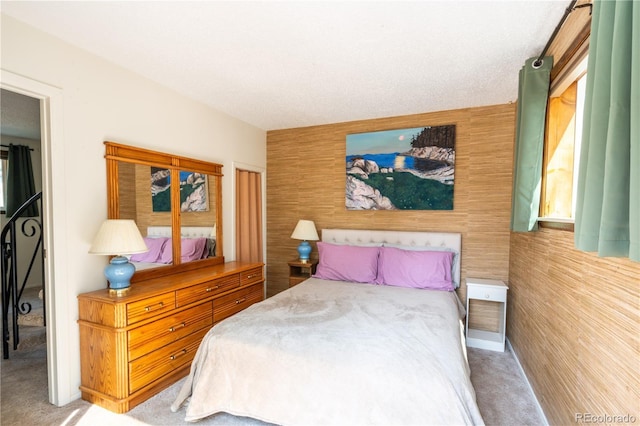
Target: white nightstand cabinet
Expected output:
[492,291]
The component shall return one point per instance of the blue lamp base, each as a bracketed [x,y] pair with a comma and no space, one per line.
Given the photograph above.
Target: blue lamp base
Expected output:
[304,250]
[119,273]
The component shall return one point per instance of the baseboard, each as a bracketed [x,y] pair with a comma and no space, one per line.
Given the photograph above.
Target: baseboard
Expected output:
[515,356]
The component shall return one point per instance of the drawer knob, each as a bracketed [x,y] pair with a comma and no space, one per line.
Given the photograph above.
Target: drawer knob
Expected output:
[239,301]
[172,329]
[210,289]
[179,354]
[251,276]
[150,308]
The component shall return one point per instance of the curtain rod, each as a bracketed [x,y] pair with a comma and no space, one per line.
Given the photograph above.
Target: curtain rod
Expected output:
[7,146]
[538,62]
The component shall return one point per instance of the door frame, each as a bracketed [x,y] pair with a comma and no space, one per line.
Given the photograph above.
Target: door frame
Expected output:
[53,200]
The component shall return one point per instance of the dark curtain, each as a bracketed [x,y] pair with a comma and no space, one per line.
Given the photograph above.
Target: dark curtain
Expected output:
[608,197]
[20,183]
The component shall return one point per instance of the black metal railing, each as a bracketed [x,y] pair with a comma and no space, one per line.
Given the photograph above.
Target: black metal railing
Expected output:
[12,289]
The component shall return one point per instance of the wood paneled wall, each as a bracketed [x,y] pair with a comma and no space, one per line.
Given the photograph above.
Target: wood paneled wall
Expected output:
[574,320]
[306,180]
[127,195]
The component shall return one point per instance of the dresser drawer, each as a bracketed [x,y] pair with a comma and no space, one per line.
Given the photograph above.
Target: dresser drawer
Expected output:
[251,276]
[150,307]
[494,294]
[206,289]
[232,303]
[155,365]
[149,337]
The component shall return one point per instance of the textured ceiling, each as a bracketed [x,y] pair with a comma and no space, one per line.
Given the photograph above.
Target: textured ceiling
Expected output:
[290,64]
[19,115]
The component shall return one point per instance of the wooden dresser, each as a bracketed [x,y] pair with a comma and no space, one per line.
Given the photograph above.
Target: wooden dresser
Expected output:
[136,345]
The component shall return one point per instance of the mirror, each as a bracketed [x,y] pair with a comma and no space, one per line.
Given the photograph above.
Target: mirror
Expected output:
[176,203]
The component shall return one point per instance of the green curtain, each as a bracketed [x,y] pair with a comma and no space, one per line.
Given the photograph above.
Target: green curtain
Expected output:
[608,197]
[533,94]
[20,182]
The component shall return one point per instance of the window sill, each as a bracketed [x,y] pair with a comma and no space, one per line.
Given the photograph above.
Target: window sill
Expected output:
[556,223]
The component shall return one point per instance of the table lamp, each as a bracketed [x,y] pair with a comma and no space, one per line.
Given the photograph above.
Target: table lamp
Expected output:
[118,237]
[305,231]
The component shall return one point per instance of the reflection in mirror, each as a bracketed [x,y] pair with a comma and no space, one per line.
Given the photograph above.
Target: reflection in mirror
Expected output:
[198,204]
[176,203]
[145,196]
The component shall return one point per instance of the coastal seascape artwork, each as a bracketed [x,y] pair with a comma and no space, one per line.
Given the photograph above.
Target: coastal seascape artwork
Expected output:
[404,169]
[193,191]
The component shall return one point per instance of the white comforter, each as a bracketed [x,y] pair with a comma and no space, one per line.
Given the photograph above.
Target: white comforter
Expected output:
[327,352]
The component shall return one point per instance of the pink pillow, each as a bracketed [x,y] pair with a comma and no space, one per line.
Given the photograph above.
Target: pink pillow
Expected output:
[155,246]
[192,249]
[415,269]
[167,253]
[347,263]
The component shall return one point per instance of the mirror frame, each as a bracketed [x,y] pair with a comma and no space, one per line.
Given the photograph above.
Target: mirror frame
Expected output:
[116,153]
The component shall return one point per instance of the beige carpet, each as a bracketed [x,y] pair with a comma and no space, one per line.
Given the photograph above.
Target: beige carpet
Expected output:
[32,331]
[502,395]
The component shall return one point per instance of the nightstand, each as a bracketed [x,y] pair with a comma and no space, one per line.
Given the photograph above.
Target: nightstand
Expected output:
[299,271]
[491,291]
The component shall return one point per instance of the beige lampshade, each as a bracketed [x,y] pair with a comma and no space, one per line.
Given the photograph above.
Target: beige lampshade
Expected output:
[305,230]
[118,237]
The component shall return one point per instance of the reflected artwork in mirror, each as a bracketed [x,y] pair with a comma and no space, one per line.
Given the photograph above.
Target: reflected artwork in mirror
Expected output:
[141,187]
[194,195]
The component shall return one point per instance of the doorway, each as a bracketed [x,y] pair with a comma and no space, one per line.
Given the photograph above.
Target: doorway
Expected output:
[249,218]
[51,124]
[20,134]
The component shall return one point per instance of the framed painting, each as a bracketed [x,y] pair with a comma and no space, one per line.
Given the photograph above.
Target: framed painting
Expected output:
[404,169]
[193,191]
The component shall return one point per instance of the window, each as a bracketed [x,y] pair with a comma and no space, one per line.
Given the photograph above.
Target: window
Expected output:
[562,147]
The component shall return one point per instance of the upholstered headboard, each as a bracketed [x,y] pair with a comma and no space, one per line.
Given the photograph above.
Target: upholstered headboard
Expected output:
[434,240]
[185,231]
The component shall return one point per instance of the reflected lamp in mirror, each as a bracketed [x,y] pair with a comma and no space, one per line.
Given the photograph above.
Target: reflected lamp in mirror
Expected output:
[118,237]
[305,231]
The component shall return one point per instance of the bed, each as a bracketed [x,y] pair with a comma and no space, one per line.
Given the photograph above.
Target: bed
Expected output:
[197,242]
[351,345]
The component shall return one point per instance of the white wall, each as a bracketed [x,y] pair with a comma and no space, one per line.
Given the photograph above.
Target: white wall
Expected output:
[101,101]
